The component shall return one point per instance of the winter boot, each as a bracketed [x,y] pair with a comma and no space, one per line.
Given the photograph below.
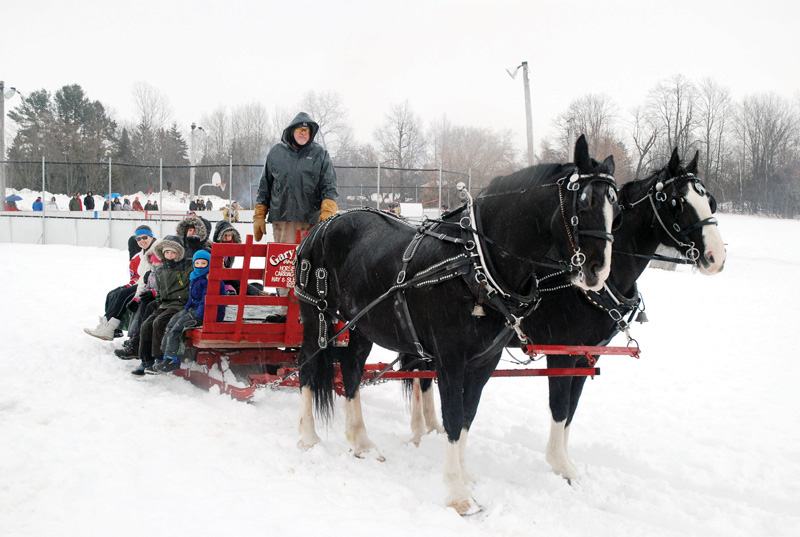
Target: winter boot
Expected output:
[139,371]
[168,364]
[126,352]
[104,329]
[154,368]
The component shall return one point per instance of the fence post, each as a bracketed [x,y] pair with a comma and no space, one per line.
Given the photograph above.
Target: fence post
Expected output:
[44,240]
[378,196]
[110,207]
[230,185]
[161,197]
[440,192]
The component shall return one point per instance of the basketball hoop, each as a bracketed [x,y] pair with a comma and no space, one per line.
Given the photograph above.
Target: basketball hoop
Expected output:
[222,186]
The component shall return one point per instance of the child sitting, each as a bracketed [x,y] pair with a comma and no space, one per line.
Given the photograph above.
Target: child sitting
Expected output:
[172,293]
[191,316]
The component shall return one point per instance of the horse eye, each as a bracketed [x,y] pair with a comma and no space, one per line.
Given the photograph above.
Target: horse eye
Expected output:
[612,194]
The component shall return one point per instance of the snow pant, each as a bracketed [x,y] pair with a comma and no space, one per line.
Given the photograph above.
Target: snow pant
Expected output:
[287,232]
[135,326]
[171,343]
[116,300]
[152,332]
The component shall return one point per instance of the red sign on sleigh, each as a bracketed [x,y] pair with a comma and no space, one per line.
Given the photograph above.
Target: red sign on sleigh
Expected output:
[279,270]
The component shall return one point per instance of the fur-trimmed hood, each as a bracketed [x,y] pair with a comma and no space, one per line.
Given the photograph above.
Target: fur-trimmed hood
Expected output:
[173,241]
[201,226]
[222,227]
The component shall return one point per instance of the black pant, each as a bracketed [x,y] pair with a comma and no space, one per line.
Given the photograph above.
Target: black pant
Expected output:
[171,343]
[146,308]
[152,332]
[116,300]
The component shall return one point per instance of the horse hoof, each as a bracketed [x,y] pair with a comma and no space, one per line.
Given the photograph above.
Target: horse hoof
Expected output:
[361,455]
[305,445]
[466,507]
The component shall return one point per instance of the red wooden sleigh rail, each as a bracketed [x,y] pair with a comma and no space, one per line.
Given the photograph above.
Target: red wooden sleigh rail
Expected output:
[242,355]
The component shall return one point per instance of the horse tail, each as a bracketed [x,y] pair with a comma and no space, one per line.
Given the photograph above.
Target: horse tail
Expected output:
[322,386]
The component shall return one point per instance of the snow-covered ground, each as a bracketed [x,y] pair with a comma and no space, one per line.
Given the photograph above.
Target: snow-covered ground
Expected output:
[701,437]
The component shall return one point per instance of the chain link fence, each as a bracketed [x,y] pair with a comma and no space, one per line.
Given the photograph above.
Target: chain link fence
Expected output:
[359,186]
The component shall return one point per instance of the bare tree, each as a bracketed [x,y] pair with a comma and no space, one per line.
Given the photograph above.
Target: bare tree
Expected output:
[400,138]
[714,110]
[673,101]
[768,129]
[152,106]
[594,115]
[645,129]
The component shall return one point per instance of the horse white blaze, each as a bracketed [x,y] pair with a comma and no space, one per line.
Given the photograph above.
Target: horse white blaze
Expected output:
[714,253]
[605,269]
[355,430]
[556,454]
[308,433]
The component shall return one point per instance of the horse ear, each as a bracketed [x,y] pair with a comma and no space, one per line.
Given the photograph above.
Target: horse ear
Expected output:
[582,159]
[692,167]
[674,164]
[609,163]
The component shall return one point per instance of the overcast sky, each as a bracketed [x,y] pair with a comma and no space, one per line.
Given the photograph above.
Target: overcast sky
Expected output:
[446,57]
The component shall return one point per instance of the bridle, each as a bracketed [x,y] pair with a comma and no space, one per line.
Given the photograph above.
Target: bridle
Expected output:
[657,196]
[581,193]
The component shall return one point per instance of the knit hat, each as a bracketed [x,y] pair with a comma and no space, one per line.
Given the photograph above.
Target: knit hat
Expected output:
[154,258]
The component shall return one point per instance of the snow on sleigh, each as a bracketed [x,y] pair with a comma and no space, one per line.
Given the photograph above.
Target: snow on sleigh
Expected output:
[243,353]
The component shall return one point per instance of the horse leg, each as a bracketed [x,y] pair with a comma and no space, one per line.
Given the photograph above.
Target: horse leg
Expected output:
[474,382]
[417,413]
[560,392]
[352,360]
[308,432]
[429,406]
[451,385]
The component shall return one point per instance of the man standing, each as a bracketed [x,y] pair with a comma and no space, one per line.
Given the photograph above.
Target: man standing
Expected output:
[88,201]
[75,203]
[298,184]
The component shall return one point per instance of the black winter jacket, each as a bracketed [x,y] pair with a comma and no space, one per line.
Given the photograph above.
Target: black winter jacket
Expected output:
[296,180]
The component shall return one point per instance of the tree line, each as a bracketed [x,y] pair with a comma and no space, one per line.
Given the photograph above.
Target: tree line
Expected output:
[750,149]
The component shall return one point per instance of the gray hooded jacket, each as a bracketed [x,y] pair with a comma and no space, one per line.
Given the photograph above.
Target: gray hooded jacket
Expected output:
[296,180]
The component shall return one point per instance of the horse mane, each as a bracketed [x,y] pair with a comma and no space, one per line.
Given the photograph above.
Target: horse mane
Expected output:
[525,178]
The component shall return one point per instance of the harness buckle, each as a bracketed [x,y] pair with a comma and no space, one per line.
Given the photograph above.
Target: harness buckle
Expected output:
[401,276]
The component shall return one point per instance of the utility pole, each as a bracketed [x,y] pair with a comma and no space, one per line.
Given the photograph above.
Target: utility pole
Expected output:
[571,139]
[528,121]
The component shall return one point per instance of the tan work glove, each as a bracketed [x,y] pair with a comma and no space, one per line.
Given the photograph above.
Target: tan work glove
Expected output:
[260,222]
[329,208]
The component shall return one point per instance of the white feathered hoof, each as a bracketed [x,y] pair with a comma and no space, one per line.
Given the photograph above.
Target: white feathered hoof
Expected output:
[466,507]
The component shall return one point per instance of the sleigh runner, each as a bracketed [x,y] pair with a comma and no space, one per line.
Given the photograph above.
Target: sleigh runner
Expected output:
[242,355]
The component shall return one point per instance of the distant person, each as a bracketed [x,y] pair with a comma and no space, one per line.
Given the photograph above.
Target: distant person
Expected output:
[209,206]
[117,205]
[38,205]
[155,206]
[137,205]
[11,206]
[105,205]
[75,203]
[201,205]
[52,205]
[88,201]
[193,205]
[127,205]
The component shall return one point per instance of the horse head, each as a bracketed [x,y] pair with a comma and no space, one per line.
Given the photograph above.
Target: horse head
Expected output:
[588,212]
[683,212]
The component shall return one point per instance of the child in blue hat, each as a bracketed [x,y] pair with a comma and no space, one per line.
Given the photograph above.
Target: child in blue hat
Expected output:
[192,314]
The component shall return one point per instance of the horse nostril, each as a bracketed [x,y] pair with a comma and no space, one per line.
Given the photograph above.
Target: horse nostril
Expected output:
[710,257]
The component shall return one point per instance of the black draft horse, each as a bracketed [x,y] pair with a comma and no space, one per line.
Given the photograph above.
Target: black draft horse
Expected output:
[416,290]
[670,207]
